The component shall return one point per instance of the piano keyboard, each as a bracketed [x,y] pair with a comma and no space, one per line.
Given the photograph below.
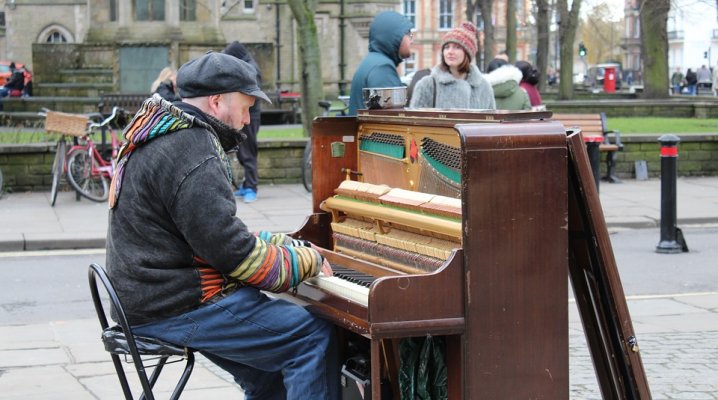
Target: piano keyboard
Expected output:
[347,283]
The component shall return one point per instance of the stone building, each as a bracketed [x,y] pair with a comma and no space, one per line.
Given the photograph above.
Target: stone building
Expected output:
[124,43]
[84,47]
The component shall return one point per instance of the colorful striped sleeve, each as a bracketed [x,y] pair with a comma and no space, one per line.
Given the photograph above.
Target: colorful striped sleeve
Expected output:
[277,263]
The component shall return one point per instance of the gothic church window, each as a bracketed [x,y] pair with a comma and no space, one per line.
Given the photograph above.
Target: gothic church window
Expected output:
[56,37]
[55,33]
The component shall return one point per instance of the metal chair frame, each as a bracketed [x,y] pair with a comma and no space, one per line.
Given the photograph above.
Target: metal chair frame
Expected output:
[131,346]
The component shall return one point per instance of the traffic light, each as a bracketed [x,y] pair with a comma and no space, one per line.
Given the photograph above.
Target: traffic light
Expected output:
[582,50]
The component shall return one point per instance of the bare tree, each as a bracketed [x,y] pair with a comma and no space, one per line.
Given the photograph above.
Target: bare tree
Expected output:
[542,45]
[486,7]
[511,30]
[310,58]
[654,42]
[567,35]
[487,47]
[471,6]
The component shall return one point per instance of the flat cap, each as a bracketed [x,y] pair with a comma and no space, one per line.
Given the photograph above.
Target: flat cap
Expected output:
[217,73]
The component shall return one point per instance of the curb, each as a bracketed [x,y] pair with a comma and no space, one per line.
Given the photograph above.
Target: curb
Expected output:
[39,242]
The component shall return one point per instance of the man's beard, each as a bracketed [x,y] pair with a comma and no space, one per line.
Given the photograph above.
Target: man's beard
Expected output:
[229,138]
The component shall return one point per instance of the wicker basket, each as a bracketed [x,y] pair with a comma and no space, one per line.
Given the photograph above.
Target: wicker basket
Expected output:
[66,124]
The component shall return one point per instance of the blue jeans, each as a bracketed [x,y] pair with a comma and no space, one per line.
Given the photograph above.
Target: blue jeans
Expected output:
[273,348]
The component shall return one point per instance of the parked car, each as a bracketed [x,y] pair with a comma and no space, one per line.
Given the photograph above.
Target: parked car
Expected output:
[5,72]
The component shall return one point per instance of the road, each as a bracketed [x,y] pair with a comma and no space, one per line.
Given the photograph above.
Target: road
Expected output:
[52,285]
[46,286]
[669,295]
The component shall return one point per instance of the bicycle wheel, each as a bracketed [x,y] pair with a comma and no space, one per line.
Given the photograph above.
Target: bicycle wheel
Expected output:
[79,173]
[58,167]
[307,167]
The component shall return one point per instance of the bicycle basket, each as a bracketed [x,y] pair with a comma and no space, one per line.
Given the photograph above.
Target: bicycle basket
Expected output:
[66,124]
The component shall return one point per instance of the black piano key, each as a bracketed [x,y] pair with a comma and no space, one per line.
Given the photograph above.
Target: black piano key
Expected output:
[352,276]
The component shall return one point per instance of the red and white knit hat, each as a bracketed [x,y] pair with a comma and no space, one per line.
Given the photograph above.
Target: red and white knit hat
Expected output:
[465,36]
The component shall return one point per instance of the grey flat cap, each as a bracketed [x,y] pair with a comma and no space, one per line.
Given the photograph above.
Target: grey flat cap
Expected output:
[217,73]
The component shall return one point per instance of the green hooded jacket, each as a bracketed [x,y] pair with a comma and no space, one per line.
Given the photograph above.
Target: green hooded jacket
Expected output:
[507,92]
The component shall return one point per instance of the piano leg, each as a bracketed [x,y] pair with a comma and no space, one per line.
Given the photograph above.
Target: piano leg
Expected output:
[393,363]
[376,368]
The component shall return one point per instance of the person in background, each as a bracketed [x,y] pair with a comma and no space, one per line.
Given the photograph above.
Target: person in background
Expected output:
[165,84]
[529,82]
[15,83]
[194,275]
[552,76]
[505,78]
[691,82]
[677,81]
[704,78]
[715,81]
[455,82]
[247,153]
[389,44]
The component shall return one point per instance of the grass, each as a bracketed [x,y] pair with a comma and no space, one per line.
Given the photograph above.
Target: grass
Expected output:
[25,135]
[281,132]
[655,125]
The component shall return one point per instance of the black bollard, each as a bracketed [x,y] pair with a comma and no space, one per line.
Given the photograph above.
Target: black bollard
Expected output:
[594,158]
[672,240]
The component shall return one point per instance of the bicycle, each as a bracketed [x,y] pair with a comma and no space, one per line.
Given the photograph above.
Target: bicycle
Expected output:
[307,156]
[65,125]
[88,172]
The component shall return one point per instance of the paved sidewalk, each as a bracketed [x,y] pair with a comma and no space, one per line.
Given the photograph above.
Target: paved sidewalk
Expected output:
[29,223]
[677,329]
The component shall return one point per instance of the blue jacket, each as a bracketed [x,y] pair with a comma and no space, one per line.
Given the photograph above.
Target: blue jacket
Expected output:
[378,69]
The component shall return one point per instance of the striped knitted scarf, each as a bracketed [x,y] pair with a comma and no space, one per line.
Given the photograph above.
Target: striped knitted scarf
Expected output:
[157,117]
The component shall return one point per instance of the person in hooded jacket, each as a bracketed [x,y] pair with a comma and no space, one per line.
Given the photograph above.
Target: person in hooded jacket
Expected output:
[247,153]
[389,44]
[505,78]
[455,82]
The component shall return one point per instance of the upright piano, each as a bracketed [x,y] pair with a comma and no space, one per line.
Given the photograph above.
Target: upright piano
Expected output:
[457,224]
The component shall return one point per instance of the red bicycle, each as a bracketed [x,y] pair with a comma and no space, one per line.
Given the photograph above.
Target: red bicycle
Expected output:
[88,172]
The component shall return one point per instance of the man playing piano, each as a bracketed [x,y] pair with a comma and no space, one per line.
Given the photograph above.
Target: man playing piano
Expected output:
[186,268]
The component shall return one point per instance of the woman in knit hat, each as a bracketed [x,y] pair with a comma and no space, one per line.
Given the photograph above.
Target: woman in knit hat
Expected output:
[456,82]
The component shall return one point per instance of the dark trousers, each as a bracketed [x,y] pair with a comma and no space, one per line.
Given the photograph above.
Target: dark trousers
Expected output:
[247,153]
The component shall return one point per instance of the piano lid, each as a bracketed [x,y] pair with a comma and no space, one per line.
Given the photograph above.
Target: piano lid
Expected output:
[597,286]
[435,116]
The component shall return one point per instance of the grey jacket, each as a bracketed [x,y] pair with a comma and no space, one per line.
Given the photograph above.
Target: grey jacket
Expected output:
[474,92]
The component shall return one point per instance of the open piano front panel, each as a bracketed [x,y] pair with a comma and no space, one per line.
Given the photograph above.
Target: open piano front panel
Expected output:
[501,296]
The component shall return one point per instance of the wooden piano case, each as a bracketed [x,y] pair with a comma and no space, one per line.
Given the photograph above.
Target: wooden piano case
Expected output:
[500,299]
